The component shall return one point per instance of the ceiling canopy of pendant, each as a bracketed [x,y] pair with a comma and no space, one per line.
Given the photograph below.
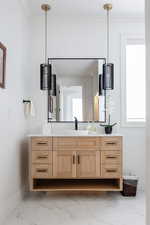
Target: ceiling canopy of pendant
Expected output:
[121,8]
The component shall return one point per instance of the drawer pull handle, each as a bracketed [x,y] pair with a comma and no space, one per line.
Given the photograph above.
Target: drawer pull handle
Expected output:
[43,157]
[42,143]
[111,157]
[78,159]
[73,159]
[111,171]
[111,143]
[41,170]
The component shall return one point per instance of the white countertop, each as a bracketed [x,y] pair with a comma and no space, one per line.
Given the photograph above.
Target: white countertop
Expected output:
[74,135]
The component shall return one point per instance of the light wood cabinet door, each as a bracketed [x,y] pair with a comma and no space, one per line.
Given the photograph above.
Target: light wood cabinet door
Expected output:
[64,164]
[88,164]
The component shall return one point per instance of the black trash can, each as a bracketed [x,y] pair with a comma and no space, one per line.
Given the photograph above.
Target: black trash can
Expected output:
[129,186]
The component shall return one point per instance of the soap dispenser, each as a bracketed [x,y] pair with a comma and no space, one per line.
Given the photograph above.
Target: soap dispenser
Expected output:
[91,127]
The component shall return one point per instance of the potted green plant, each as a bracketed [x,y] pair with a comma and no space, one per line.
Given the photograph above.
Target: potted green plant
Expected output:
[108,127]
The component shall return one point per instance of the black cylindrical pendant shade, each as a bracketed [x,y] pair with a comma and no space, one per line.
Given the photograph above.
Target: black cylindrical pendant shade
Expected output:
[45,76]
[108,76]
[100,84]
[53,85]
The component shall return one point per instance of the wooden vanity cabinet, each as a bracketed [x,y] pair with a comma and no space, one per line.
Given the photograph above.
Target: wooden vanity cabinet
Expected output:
[76,163]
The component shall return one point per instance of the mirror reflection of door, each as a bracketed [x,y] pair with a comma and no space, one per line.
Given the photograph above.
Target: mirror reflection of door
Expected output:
[71,103]
[78,90]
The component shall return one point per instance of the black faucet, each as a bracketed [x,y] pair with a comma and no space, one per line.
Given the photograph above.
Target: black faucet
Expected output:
[76,123]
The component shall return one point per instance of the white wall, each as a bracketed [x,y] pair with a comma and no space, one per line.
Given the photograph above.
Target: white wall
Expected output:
[85,37]
[14,35]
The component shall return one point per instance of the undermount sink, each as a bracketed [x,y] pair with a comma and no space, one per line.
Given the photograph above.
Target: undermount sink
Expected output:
[71,132]
[66,132]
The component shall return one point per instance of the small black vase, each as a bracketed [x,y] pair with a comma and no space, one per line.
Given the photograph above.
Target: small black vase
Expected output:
[108,130]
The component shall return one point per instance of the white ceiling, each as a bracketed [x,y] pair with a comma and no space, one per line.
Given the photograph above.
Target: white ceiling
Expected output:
[121,8]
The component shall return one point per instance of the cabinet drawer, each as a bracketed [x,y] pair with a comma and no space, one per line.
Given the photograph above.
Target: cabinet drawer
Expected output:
[41,171]
[75,143]
[111,143]
[42,157]
[41,143]
[111,171]
[110,157]
[88,143]
[65,143]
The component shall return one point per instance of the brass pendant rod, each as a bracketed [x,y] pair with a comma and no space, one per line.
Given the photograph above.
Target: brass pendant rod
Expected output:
[45,37]
[46,8]
[108,7]
[108,36]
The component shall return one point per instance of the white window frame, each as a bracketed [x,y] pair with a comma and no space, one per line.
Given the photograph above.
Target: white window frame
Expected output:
[126,39]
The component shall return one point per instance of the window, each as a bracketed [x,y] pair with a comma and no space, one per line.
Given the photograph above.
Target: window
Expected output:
[133,82]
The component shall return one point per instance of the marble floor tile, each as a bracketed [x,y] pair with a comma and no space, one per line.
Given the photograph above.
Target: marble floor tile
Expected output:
[79,209]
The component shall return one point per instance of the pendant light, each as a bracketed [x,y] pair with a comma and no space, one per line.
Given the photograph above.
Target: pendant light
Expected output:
[45,68]
[108,68]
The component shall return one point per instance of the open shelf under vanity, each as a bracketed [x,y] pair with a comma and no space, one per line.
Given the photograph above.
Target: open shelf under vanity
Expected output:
[77,185]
